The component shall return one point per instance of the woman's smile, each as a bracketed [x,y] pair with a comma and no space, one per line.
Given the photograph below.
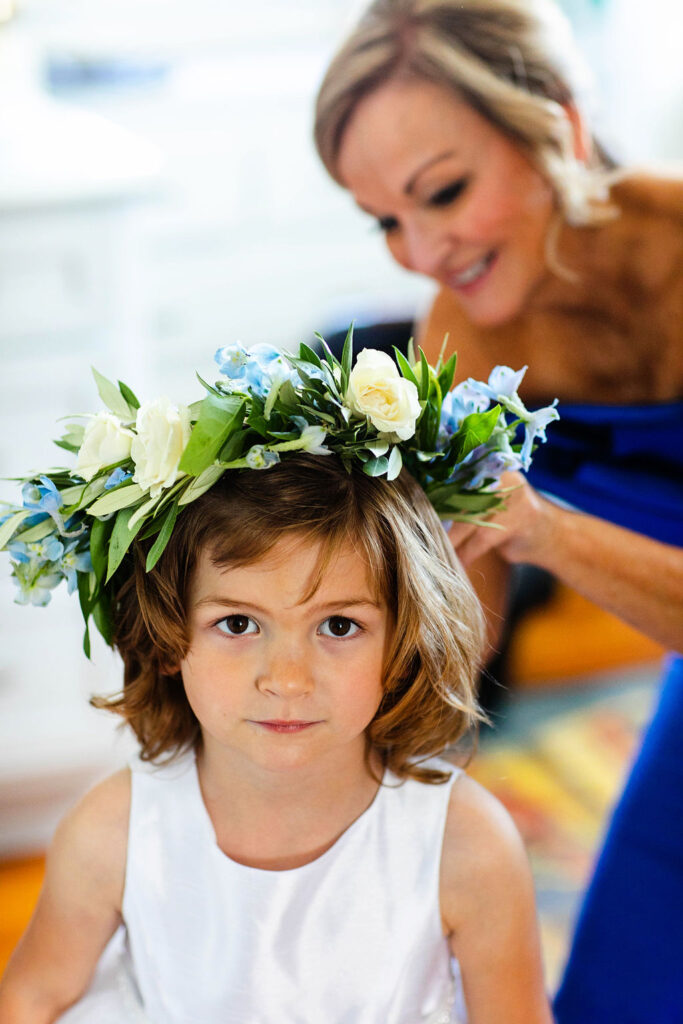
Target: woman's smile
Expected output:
[456,199]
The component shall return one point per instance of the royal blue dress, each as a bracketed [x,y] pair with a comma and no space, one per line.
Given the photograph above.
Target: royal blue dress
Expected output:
[625,464]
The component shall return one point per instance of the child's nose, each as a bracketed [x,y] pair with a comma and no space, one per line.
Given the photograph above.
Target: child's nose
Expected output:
[286,674]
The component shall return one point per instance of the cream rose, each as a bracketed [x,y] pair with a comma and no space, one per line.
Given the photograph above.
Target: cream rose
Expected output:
[377,390]
[105,442]
[163,430]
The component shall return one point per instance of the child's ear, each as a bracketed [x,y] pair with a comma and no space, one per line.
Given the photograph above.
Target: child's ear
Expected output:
[583,143]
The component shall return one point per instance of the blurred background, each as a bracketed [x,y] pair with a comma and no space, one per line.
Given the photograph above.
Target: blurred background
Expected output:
[159,197]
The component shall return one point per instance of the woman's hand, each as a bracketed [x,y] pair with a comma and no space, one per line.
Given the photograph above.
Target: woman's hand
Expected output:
[634,577]
[521,531]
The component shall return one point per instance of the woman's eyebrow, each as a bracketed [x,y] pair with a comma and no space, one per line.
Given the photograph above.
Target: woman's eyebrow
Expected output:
[412,181]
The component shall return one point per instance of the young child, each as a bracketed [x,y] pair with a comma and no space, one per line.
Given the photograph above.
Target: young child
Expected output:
[288,850]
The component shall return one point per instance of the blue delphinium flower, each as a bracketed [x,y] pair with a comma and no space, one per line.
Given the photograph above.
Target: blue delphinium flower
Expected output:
[50,549]
[259,458]
[46,500]
[35,581]
[259,369]
[534,429]
[459,403]
[73,562]
[267,367]
[232,361]
[491,467]
[116,478]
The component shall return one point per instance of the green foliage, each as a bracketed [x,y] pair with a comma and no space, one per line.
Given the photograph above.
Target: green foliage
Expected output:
[297,413]
[218,417]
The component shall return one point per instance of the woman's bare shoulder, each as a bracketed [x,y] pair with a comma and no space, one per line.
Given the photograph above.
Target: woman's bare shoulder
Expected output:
[649,193]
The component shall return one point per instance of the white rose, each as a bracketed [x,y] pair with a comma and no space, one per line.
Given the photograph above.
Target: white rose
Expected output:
[105,442]
[377,390]
[163,430]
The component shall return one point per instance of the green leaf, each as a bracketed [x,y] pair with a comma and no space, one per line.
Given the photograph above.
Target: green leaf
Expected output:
[271,398]
[218,417]
[347,358]
[378,448]
[405,367]
[128,395]
[68,446]
[37,532]
[395,463]
[121,539]
[202,483]
[142,512]
[103,618]
[410,349]
[447,374]
[112,397]
[74,434]
[287,397]
[330,357]
[80,496]
[120,497]
[453,499]
[474,430]
[83,580]
[100,533]
[376,467]
[423,387]
[9,528]
[429,427]
[157,549]
[309,356]
[210,388]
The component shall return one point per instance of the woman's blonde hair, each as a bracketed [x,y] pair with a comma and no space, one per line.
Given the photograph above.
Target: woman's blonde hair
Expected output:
[435,654]
[512,60]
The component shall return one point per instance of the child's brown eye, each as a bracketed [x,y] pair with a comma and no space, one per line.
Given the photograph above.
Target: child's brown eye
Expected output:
[237,625]
[339,626]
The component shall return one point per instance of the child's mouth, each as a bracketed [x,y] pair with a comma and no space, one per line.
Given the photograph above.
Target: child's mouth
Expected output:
[274,725]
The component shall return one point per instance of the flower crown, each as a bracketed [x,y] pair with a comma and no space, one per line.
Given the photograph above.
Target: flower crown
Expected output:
[137,465]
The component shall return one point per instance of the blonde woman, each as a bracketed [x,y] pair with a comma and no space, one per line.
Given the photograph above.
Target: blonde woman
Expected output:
[459,127]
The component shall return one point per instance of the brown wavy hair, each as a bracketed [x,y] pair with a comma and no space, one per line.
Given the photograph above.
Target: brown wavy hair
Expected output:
[437,642]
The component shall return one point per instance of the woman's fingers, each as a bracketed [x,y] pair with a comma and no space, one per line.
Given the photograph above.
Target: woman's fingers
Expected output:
[475,541]
[515,530]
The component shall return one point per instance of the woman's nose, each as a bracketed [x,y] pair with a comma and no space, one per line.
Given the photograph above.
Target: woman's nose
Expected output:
[424,248]
[286,673]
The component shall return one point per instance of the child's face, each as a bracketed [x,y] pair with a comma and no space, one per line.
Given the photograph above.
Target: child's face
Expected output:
[280,683]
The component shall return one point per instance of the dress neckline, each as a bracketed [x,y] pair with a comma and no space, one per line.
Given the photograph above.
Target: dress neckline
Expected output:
[342,840]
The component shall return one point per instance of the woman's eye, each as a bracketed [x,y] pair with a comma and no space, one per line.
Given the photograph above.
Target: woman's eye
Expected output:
[387,224]
[237,625]
[449,194]
[339,626]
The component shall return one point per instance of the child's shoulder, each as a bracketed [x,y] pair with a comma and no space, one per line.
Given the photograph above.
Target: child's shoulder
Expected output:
[90,843]
[483,855]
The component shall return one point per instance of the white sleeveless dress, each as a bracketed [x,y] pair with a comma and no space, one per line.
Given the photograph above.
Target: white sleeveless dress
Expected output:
[354,937]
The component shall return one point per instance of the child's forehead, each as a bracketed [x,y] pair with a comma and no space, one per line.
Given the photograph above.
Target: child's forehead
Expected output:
[297,569]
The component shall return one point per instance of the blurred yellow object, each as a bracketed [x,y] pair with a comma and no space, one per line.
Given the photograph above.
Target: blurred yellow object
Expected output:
[570,636]
[20,882]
